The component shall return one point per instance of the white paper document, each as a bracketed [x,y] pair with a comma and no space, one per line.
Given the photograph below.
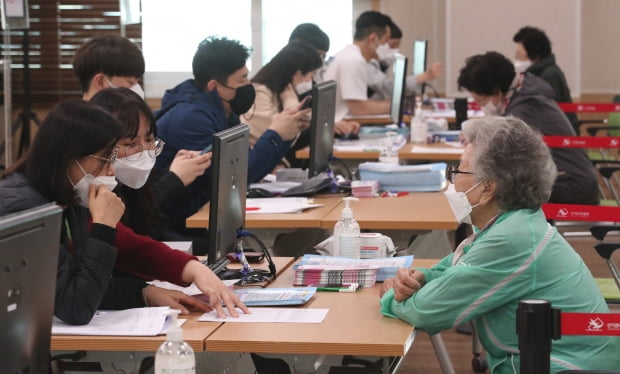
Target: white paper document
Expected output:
[190,290]
[279,205]
[276,315]
[447,149]
[129,322]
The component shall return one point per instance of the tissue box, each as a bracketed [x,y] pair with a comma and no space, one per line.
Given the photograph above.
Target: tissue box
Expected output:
[426,177]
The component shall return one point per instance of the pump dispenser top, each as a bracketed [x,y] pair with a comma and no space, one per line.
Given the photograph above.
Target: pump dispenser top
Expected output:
[347,232]
[174,333]
[347,212]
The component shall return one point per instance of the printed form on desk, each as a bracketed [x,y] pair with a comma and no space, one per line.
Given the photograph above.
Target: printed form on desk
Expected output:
[279,205]
[448,147]
[148,321]
[286,315]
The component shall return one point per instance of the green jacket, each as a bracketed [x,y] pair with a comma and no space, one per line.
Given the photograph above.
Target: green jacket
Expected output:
[519,257]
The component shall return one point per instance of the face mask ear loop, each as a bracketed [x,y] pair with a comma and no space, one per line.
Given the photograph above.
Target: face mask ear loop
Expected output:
[472,187]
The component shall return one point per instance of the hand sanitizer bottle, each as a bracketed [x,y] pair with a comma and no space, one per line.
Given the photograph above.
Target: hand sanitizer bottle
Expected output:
[419,128]
[347,233]
[175,356]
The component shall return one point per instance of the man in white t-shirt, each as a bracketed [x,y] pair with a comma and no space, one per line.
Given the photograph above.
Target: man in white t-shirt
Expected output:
[349,67]
[381,82]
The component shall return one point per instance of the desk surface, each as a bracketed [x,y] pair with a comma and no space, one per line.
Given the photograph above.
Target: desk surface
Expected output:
[416,211]
[353,326]
[425,152]
[430,152]
[310,218]
[194,332]
[373,155]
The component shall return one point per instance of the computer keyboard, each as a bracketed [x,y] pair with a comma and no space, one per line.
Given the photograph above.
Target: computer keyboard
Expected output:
[218,266]
[310,187]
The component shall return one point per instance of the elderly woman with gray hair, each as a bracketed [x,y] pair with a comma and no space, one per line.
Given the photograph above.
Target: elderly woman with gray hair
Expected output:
[505,175]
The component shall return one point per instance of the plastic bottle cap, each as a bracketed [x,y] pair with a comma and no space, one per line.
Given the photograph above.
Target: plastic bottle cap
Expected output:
[174,333]
[347,212]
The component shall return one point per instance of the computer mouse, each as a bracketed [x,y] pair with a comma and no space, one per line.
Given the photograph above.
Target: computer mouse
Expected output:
[258,192]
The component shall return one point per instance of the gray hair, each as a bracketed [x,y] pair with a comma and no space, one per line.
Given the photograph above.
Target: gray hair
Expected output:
[510,153]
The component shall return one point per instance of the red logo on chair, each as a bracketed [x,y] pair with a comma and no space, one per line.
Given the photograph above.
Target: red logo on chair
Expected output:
[595,324]
[565,142]
[613,143]
[562,212]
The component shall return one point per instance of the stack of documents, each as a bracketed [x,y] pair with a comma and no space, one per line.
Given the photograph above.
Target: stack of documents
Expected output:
[149,321]
[386,267]
[335,275]
[367,188]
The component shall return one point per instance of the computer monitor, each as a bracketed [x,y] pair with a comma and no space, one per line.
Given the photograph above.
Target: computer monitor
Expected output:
[228,189]
[29,243]
[419,59]
[322,127]
[399,70]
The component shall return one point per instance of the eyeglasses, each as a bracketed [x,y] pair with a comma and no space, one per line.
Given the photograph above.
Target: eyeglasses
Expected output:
[133,152]
[452,170]
[107,161]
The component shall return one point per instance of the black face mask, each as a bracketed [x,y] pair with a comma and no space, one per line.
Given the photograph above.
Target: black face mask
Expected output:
[243,100]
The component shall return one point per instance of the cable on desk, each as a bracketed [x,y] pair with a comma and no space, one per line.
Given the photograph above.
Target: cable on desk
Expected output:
[272,266]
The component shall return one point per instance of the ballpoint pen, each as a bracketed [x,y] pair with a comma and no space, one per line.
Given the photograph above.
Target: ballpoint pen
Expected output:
[344,288]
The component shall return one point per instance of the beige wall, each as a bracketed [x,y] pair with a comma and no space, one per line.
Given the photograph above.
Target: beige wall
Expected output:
[600,46]
[583,33]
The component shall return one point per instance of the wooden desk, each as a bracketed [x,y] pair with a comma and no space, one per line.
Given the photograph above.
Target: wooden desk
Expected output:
[195,333]
[431,152]
[304,153]
[310,218]
[416,211]
[353,326]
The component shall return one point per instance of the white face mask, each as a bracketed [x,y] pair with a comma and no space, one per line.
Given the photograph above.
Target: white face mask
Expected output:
[303,87]
[459,203]
[138,90]
[386,54]
[135,88]
[522,65]
[82,186]
[134,173]
[490,109]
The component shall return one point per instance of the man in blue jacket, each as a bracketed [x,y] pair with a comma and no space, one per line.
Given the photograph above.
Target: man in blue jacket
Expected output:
[211,102]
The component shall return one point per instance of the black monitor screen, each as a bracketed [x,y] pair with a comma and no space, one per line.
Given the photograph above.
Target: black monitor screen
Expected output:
[419,58]
[399,69]
[322,126]
[29,243]
[228,189]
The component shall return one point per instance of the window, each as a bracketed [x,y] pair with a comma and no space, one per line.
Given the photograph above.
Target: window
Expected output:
[172,32]
[263,25]
[281,17]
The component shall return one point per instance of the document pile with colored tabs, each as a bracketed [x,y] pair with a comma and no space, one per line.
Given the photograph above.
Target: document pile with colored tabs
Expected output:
[335,275]
[386,267]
